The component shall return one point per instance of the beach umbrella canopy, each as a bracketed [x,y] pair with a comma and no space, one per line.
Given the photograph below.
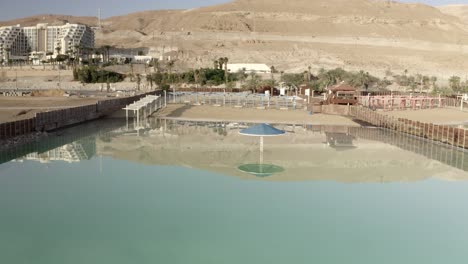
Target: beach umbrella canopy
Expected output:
[261,130]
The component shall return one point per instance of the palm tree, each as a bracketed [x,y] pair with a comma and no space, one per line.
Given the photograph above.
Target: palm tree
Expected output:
[254,81]
[170,65]
[433,80]
[196,76]
[220,63]
[308,76]
[419,78]
[225,60]
[107,49]
[454,83]
[362,79]
[215,64]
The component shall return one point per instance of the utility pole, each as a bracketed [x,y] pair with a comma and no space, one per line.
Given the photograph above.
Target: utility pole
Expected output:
[99,18]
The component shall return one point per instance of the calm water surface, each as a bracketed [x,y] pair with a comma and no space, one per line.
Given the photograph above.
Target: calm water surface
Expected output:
[173,194]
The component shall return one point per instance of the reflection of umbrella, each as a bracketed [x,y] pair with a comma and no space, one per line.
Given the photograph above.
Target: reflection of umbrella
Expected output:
[261,170]
[262,130]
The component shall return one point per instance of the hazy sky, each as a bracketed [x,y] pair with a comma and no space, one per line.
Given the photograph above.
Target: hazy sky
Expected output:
[10,9]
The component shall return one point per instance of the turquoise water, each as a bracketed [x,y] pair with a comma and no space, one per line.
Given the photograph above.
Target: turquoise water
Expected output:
[135,207]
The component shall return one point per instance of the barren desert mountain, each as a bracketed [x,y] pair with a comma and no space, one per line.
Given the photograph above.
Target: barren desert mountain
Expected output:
[460,11]
[372,35]
[50,19]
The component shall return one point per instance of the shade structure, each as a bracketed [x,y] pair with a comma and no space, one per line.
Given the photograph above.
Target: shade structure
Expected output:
[261,130]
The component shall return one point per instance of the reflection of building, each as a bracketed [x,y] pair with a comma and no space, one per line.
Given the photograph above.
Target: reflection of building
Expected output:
[17,42]
[77,151]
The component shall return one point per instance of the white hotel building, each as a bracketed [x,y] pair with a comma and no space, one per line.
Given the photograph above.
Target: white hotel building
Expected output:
[42,39]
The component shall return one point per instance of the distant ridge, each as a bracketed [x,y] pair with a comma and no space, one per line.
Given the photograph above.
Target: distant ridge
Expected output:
[292,34]
[460,11]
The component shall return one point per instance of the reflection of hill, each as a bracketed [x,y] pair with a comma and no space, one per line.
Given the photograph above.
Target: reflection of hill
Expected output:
[302,154]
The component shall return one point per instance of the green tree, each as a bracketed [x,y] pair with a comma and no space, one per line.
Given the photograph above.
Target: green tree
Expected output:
[138,81]
[455,83]
[253,82]
[106,49]
[170,65]
[225,60]
[433,81]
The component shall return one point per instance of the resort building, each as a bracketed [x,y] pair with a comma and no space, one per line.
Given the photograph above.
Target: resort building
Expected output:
[18,42]
[249,67]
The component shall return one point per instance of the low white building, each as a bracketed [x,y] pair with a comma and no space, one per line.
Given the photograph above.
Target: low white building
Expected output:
[142,59]
[249,67]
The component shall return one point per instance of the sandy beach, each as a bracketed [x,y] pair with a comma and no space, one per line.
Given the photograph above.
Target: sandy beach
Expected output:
[212,113]
[18,108]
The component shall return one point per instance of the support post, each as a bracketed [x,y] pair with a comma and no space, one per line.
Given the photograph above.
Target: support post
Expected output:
[261,150]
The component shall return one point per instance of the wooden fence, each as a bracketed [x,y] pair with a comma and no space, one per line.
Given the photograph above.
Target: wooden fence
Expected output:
[238,100]
[446,154]
[16,128]
[405,102]
[441,133]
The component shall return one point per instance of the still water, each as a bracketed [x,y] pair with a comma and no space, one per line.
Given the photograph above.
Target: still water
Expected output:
[174,193]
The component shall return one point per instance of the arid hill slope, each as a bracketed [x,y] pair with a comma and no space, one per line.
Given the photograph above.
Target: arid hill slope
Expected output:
[460,11]
[373,35]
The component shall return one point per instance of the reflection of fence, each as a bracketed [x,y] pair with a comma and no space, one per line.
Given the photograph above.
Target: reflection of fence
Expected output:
[50,120]
[239,100]
[441,133]
[402,102]
[446,154]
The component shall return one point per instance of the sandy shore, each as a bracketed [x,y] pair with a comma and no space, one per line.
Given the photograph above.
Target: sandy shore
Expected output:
[212,113]
[446,116]
[17,108]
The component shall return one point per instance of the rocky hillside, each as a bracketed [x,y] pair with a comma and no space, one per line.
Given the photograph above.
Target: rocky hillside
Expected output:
[374,35]
[460,11]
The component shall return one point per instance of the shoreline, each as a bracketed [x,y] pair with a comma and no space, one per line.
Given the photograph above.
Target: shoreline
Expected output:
[250,115]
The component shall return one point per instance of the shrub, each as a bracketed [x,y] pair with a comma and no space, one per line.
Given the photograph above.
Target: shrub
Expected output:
[91,74]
